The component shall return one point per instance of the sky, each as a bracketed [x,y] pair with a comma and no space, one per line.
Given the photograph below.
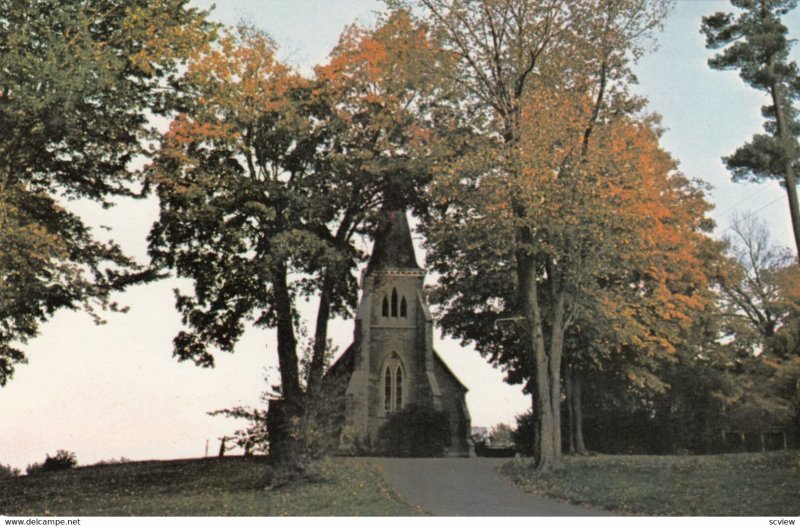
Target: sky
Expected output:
[114,390]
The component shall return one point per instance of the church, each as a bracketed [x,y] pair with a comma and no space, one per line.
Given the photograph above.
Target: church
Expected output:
[391,363]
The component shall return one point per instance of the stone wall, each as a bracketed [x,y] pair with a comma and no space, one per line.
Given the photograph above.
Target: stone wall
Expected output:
[454,404]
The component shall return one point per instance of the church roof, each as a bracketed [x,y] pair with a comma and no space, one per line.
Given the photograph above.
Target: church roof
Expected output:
[393,246]
[448,370]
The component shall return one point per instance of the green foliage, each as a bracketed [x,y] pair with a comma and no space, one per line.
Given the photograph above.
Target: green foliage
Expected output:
[252,439]
[314,433]
[532,228]
[754,40]
[297,440]
[751,484]
[358,446]
[706,390]
[501,435]
[265,180]
[8,471]
[205,487]
[61,461]
[260,178]
[759,284]
[759,304]
[415,431]
[78,84]
[524,435]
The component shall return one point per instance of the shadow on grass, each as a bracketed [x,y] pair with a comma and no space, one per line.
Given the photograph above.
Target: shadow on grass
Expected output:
[231,486]
[744,484]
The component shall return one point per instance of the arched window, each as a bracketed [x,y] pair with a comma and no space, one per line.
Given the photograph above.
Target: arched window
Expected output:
[398,387]
[403,307]
[394,303]
[393,384]
[387,390]
[385,308]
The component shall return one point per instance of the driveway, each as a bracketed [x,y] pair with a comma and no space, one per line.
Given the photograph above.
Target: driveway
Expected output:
[468,487]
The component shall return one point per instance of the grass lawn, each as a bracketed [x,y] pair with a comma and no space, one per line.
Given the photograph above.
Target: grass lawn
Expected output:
[210,487]
[744,484]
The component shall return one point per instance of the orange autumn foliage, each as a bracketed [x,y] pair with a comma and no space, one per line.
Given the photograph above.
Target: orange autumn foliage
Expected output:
[623,226]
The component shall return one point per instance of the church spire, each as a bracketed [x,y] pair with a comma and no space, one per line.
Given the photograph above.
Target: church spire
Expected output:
[393,246]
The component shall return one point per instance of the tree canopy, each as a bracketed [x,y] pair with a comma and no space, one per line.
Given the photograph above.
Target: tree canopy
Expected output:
[79,82]
[539,80]
[754,41]
[267,177]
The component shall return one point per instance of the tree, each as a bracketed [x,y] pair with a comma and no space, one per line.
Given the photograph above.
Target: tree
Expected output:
[500,435]
[627,236]
[756,284]
[266,179]
[382,114]
[235,180]
[650,303]
[759,289]
[755,43]
[78,84]
[565,64]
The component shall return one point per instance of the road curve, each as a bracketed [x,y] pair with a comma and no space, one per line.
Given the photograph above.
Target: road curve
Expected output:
[468,487]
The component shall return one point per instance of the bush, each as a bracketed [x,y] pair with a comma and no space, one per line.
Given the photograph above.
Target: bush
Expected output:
[415,431]
[8,471]
[61,461]
[524,436]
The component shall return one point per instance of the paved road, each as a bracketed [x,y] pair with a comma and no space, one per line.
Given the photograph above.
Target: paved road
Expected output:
[468,487]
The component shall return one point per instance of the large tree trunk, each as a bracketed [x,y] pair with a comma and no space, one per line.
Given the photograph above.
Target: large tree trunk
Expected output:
[547,454]
[330,275]
[287,343]
[575,412]
[570,409]
[787,141]
[554,372]
[317,366]
[284,446]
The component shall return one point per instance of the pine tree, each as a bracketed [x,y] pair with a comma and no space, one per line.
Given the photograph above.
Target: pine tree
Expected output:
[755,43]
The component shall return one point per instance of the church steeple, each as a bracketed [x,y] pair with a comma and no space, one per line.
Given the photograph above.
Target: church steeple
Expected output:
[391,364]
[393,246]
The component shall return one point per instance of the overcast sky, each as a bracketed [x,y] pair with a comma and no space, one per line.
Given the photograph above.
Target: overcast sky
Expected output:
[115,391]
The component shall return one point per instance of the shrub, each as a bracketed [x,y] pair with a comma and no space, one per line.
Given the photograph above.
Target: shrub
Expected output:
[62,460]
[8,471]
[415,431]
[501,435]
[524,436]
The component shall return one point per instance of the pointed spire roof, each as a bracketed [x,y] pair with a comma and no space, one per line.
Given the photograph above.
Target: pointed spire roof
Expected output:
[393,246]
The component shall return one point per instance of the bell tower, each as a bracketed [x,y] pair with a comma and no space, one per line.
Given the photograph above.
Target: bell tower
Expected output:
[392,363]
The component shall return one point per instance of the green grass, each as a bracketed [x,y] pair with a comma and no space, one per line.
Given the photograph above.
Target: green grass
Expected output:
[210,487]
[745,484]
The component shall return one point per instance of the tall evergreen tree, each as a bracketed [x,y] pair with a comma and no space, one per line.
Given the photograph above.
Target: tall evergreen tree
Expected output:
[755,43]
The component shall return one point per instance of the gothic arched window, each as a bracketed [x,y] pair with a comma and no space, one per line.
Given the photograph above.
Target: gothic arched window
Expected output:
[393,384]
[385,308]
[387,390]
[398,387]
[394,303]
[403,308]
